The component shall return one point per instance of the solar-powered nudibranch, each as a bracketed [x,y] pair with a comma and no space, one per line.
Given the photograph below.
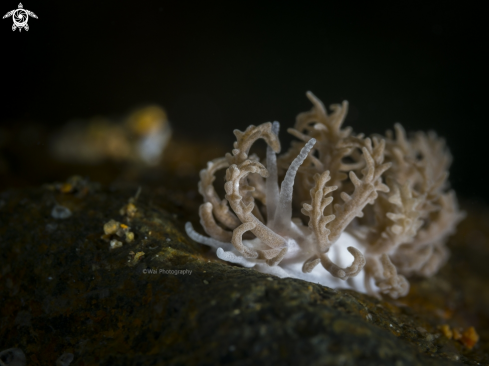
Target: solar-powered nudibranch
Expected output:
[374,209]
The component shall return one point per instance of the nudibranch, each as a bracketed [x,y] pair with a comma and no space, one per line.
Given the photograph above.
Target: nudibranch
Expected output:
[375,210]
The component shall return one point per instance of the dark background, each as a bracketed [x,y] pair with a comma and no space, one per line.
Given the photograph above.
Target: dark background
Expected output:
[219,66]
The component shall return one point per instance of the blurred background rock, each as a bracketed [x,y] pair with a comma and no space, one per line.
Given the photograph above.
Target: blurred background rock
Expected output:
[139,138]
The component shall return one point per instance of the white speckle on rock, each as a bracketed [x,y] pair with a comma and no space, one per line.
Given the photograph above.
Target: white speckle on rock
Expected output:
[51,227]
[14,356]
[421,330]
[115,244]
[65,359]
[60,212]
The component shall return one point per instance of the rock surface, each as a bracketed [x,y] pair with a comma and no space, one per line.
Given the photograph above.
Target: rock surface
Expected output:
[63,290]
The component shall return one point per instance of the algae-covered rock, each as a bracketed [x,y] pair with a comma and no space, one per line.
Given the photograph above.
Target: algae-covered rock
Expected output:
[157,298]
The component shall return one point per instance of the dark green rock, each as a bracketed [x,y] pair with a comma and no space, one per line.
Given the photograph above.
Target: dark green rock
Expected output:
[62,290]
